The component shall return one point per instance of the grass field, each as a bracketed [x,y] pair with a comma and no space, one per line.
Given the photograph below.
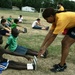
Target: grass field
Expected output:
[33,39]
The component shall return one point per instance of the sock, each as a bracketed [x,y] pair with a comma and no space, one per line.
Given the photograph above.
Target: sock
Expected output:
[30,66]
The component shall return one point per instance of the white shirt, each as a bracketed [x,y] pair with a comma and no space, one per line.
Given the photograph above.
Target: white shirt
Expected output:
[34,23]
[20,19]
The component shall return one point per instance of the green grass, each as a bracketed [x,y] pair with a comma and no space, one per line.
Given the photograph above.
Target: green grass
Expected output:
[31,14]
[34,38]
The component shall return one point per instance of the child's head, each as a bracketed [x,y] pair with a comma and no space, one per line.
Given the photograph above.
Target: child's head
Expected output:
[38,19]
[49,14]
[14,32]
[3,21]
[20,15]
[1,39]
[10,16]
[16,21]
[2,17]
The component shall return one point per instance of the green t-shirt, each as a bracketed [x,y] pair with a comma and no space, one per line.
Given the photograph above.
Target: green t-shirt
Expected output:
[9,19]
[14,25]
[12,43]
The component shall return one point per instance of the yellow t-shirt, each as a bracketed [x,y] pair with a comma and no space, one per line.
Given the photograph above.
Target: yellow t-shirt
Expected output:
[61,8]
[63,20]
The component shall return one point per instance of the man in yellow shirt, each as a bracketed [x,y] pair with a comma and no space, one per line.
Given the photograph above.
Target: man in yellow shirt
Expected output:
[60,6]
[60,21]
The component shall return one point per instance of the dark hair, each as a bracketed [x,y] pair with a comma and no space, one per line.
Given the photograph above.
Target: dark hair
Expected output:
[38,19]
[48,12]
[3,20]
[20,15]
[61,11]
[1,39]
[15,32]
[2,17]
[16,21]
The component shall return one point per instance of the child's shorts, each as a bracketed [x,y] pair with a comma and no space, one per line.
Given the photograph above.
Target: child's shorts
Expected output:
[71,32]
[21,50]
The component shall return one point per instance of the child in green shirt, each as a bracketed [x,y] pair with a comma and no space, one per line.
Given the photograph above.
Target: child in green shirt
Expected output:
[14,47]
[20,28]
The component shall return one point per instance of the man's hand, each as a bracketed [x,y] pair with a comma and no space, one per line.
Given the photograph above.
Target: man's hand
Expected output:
[41,52]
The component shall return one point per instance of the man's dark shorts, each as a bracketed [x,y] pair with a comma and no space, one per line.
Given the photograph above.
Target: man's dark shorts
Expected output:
[71,32]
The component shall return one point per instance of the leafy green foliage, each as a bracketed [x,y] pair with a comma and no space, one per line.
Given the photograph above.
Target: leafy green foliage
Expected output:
[6,3]
[70,5]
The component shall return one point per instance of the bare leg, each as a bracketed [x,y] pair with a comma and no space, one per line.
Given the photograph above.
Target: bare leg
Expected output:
[17,65]
[32,52]
[66,43]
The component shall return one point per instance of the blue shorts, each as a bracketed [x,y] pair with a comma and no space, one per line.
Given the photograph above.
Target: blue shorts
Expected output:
[3,32]
[71,32]
[21,50]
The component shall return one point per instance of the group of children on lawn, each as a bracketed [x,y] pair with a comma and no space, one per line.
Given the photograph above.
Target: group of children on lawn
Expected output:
[12,30]
[61,20]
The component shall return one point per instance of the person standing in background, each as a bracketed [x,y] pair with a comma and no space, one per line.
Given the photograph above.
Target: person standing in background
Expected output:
[60,7]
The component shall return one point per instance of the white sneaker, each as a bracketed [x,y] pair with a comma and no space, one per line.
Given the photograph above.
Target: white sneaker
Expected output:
[35,63]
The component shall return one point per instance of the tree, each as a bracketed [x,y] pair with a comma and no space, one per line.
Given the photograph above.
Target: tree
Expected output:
[17,3]
[33,3]
[37,4]
[6,4]
[70,5]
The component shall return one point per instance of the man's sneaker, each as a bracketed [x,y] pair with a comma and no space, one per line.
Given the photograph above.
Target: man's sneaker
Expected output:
[25,30]
[65,66]
[35,63]
[58,68]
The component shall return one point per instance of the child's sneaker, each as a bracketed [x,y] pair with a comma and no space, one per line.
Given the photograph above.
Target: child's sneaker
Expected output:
[58,68]
[32,66]
[35,63]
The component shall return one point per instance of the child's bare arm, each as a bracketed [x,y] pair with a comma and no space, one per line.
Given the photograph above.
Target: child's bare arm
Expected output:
[6,46]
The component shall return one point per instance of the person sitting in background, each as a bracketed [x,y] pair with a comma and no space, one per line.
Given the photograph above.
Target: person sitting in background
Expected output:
[4,28]
[10,64]
[37,25]
[20,18]
[10,20]
[2,17]
[20,28]
[14,47]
